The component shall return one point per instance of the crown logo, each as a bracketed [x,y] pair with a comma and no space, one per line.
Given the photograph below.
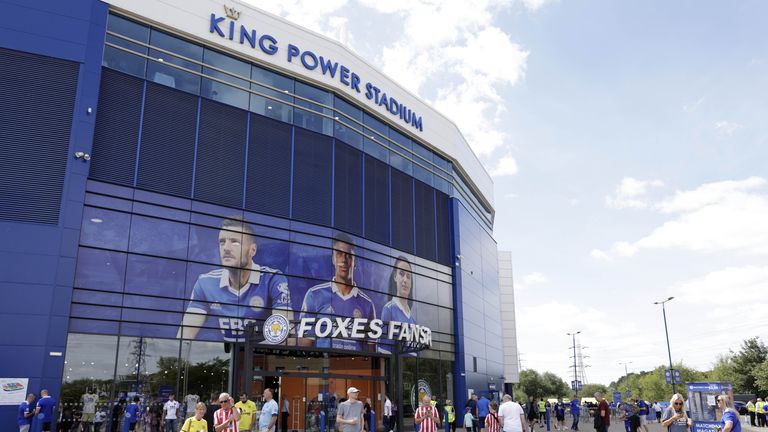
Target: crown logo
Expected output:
[232,13]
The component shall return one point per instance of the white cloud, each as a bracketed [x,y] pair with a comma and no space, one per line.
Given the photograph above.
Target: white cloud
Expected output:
[535,279]
[631,193]
[727,128]
[730,286]
[726,216]
[600,255]
[505,167]
[535,4]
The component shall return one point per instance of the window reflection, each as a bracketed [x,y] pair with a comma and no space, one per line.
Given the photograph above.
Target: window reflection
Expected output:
[159,71]
[220,91]
[121,60]
[307,118]
[271,107]
[89,368]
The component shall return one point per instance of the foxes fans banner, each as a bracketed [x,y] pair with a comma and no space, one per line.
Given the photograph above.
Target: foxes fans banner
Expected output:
[227,274]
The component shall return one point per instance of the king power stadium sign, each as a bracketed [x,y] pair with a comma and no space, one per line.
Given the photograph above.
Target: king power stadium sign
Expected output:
[276,329]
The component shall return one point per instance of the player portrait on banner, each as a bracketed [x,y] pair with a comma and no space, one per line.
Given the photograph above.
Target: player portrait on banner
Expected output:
[225,300]
[338,297]
[400,306]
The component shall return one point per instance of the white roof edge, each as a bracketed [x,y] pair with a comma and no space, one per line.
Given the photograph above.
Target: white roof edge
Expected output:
[449,143]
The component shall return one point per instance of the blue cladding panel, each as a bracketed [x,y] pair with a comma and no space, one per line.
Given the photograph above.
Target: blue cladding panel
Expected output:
[442,211]
[402,211]
[348,189]
[220,154]
[376,200]
[168,141]
[312,177]
[268,186]
[117,128]
[425,220]
[37,96]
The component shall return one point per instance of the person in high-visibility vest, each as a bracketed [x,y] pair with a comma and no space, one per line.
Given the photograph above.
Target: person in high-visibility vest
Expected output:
[542,412]
[451,415]
[760,413]
[751,409]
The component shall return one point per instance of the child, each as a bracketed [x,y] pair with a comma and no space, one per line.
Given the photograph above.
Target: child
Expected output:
[196,423]
[469,420]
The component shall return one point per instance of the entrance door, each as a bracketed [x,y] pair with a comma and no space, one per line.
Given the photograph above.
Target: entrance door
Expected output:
[308,401]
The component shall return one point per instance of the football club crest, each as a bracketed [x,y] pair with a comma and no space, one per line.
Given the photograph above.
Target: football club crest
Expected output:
[276,329]
[418,392]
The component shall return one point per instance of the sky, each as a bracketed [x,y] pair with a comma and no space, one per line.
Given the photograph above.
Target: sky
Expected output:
[627,142]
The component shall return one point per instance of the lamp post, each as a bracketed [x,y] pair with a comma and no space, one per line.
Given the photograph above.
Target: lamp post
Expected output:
[575,377]
[666,331]
[626,374]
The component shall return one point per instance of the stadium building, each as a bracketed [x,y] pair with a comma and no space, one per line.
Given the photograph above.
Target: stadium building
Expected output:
[198,196]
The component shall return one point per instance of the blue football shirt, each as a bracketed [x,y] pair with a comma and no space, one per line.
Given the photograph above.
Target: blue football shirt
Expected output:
[132,413]
[326,299]
[393,311]
[643,407]
[46,408]
[228,310]
[24,408]
[732,416]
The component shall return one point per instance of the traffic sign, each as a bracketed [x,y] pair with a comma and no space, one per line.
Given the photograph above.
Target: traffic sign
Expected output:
[617,397]
[576,385]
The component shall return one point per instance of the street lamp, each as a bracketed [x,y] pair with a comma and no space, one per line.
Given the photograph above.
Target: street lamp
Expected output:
[575,377]
[666,331]
[626,374]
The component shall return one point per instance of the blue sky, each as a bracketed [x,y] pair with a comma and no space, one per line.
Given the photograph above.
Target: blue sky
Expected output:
[628,144]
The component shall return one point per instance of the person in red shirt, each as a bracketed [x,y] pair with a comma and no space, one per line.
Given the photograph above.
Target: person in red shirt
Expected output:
[427,417]
[603,412]
[492,419]
[226,418]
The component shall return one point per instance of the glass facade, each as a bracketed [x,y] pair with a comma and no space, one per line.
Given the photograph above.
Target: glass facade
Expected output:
[136,49]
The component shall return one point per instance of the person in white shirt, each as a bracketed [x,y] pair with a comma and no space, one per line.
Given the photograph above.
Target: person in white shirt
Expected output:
[89,409]
[169,413]
[387,414]
[511,415]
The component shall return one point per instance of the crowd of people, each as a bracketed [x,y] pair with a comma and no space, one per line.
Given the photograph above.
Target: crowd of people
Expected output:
[355,415]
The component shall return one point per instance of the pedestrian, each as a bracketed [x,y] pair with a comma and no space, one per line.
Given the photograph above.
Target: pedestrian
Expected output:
[451,411]
[169,413]
[491,421]
[225,419]
[675,418]
[642,413]
[45,407]
[349,415]
[560,414]
[533,412]
[132,415]
[426,416]
[657,411]
[751,411]
[196,423]
[542,412]
[388,413]
[285,411]
[269,412]
[117,414]
[247,413]
[483,409]
[469,420]
[367,414]
[98,418]
[66,421]
[511,415]
[602,414]
[575,412]
[26,412]
[472,404]
[730,420]
[760,413]
[156,414]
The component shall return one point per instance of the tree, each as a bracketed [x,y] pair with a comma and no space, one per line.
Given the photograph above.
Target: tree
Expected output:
[724,370]
[554,385]
[530,384]
[761,377]
[753,353]
[589,390]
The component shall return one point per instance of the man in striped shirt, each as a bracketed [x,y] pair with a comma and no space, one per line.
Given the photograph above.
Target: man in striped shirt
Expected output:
[426,416]
[226,418]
